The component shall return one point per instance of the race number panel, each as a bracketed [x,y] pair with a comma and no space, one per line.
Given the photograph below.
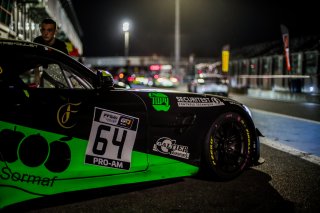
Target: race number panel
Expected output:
[111,139]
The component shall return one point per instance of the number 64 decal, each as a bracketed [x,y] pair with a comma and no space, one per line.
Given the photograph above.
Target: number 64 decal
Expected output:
[111,139]
[98,150]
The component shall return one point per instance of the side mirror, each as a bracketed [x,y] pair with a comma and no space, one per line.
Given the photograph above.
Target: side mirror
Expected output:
[105,79]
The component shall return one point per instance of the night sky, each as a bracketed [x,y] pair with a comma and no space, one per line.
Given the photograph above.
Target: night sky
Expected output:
[205,25]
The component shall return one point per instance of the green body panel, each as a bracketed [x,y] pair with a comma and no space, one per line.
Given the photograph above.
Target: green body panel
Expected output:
[20,182]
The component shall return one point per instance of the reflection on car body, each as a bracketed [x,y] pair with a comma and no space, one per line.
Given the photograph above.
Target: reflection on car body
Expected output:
[77,131]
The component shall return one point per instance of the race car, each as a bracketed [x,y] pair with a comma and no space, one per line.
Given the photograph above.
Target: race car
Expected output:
[65,128]
[209,79]
[209,84]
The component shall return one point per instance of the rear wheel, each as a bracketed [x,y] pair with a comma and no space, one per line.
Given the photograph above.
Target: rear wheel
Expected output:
[227,147]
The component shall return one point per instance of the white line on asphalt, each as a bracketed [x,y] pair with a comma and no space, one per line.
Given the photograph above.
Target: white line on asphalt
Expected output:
[304,155]
[286,116]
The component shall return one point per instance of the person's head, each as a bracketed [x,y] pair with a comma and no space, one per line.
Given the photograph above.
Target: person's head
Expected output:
[48,29]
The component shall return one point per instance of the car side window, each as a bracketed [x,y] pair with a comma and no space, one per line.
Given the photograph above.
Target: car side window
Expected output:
[52,75]
[46,73]
[75,81]
[44,76]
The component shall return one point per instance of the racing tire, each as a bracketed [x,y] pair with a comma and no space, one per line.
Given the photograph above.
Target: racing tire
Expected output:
[226,150]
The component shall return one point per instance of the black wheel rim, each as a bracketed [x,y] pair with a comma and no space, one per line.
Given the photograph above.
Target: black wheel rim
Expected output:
[230,147]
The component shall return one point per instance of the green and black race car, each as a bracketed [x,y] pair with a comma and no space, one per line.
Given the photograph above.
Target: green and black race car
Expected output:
[65,128]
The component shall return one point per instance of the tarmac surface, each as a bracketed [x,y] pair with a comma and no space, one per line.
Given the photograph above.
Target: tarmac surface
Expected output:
[287,122]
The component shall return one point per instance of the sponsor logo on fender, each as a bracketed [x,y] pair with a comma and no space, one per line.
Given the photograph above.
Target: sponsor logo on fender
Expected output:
[168,146]
[198,101]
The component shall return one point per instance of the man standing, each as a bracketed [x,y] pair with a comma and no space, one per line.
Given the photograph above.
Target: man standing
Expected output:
[48,29]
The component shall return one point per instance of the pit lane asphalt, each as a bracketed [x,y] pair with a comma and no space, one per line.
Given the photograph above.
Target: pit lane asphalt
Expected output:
[304,110]
[291,126]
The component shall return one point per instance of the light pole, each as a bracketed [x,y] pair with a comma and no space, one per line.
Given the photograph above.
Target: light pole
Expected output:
[177,37]
[125,29]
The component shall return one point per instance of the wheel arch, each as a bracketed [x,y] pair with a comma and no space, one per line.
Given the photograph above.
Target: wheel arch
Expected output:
[253,147]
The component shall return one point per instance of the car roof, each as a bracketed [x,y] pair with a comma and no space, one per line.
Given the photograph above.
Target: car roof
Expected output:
[17,57]
[11,49]
[20,45]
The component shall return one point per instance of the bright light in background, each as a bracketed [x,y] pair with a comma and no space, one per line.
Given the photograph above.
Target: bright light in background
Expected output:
[125,26]
[125,29]
[155,67]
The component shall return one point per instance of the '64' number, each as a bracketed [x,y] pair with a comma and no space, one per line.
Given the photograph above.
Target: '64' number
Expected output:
[99,140]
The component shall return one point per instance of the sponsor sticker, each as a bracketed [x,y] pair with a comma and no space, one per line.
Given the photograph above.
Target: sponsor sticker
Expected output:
[111,139]
[65,113]
[160,101]
[168,146]
[198,101]
[35,152]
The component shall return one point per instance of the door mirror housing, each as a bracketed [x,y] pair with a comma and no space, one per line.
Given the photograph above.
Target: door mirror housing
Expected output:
[105,79]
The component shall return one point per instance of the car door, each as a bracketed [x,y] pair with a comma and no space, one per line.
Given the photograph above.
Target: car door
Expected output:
[69,130]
